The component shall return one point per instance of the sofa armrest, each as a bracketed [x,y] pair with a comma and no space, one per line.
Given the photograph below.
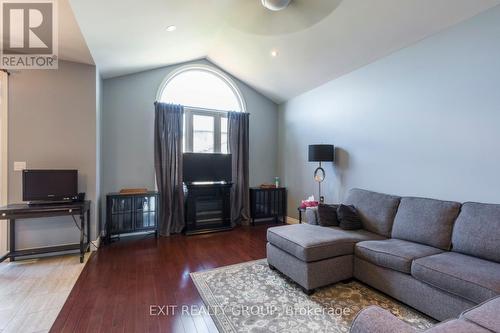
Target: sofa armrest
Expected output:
[377,320]
[485,314]
[312,215]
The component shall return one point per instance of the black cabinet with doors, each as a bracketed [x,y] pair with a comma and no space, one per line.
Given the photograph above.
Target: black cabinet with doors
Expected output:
[268,203]
[127,213]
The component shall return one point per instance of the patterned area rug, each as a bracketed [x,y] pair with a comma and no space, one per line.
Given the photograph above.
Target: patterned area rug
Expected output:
[250,297]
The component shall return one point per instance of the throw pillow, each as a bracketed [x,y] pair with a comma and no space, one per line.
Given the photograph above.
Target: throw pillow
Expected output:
[348,217]
[327,215]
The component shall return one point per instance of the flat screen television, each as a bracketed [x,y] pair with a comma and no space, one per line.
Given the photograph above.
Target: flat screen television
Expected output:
[50,185]
[199,167]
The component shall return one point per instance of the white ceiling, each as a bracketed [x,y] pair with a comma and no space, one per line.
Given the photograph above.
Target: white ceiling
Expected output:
[72,46]
[127,36]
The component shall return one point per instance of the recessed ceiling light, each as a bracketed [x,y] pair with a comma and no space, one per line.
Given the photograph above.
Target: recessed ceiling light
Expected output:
[171,28]
[274,53]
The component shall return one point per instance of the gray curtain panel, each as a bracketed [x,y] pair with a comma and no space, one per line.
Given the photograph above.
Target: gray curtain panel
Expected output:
[168,166]
[238,132]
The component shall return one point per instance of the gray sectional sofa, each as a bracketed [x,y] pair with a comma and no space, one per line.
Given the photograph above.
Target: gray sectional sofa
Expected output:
[439,257]
[483,318]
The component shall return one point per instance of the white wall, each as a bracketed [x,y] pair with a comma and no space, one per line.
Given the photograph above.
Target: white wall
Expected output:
[423,121]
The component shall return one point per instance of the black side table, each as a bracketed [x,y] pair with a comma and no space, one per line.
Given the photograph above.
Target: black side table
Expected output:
[301,210]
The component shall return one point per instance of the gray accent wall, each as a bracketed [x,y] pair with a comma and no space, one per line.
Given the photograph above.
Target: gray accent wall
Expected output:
[52,125]
[128,126]
[424,121]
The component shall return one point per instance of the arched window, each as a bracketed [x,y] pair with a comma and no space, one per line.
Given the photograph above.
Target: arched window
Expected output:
[207,95]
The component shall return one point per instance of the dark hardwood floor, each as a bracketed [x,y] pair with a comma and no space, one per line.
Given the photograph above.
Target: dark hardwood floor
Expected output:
[121,281]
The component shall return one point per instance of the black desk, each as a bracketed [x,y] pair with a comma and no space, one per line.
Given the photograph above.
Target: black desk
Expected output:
[24,211]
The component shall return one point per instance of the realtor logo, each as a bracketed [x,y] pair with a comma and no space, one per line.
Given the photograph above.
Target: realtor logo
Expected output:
[29,34]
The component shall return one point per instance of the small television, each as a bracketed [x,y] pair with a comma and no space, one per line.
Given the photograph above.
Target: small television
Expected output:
[50,185]
[202,167]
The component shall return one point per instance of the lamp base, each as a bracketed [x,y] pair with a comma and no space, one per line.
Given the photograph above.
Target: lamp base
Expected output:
[319,176]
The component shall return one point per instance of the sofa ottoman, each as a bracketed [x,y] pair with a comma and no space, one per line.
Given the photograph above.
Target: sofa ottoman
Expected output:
[314,256]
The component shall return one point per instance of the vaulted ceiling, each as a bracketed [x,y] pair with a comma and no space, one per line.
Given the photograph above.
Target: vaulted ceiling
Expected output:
[126,36]
[72,46]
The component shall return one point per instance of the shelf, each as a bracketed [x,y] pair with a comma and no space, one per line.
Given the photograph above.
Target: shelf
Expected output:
[207,230]
[45,250]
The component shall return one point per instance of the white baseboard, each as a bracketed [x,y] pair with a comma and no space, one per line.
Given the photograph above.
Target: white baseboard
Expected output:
[131,234]
[94,246]
[291,220]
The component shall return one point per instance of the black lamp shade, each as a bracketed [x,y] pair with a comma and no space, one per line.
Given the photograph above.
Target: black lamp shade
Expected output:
[321,153]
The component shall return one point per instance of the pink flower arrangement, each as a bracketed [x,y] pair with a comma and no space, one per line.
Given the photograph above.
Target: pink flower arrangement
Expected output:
[307,203]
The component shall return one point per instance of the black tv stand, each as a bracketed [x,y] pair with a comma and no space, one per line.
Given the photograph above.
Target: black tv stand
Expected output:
[207,207]
[25,211]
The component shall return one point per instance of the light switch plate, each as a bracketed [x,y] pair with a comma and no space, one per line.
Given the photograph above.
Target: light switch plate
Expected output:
[19,166]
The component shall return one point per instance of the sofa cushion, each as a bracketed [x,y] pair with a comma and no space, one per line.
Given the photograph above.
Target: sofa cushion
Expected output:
[376,210]
[468,277]
[426,221]
[485,314]
[457,326]
[312,242]
[477,231]
[393,253]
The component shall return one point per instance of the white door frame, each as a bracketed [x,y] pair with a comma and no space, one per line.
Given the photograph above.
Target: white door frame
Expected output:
[4,93]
